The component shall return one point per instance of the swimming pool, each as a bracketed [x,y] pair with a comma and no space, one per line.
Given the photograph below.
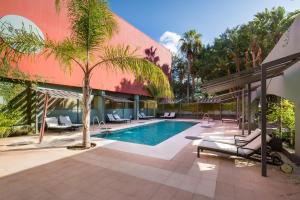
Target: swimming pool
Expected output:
[149,134]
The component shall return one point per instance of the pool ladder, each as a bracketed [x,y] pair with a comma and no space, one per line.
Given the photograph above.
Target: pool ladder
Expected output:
[99,123]
[206,117]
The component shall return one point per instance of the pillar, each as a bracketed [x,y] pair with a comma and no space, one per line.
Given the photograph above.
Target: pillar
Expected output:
[249,109]
[297,127]
[243,111]
[101,106]
[136,106]
[263,121]
[29,104]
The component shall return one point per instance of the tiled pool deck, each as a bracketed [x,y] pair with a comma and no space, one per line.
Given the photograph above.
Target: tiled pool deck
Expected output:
[104,173]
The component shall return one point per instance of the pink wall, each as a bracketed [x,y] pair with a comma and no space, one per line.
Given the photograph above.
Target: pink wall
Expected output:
[55,26]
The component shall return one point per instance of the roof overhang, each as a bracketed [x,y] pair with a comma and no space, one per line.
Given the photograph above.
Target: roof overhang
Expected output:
[117,99]
[62,94]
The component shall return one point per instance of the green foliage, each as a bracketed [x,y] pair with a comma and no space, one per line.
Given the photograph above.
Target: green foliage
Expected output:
[238,48]
[9,116]
[285,113]
[7,121]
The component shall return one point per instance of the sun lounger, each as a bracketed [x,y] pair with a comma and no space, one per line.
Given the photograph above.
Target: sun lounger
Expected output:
[171,116]
[246,150]
[142,117]
[111,118]
[52,123]
[229,120]
[166,114]
[236,139]
[146,116]
[65,120]
[117,117]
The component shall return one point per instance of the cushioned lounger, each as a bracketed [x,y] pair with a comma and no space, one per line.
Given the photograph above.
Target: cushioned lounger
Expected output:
[117,117]
[146,116]
[172,115]
[166,114]
[111,118]
[246,150]
[65,120]
[237,139]
[52,123]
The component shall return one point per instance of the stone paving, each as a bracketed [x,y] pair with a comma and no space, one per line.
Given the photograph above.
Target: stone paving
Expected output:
[102,173]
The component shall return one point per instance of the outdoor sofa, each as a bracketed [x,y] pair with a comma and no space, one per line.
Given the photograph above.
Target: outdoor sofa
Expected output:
[52,123]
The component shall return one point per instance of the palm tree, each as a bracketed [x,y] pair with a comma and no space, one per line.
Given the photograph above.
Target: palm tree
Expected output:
[190,46]
[92,25]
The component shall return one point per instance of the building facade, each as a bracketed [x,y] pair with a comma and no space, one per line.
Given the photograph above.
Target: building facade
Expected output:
[105,81]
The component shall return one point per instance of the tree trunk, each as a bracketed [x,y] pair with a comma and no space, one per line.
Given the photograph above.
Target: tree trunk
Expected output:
[86,100]
[188,82]
[193,87]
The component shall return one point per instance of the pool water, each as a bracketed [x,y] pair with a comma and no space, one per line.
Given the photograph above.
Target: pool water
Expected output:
[149,134]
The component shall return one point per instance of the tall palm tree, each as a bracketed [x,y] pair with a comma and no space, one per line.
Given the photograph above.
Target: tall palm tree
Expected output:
[190,46]
[92,25]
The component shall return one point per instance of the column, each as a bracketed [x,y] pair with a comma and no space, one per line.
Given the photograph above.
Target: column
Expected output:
[263,121]
[249,109]
[243,111]
[136,106]
[101,106]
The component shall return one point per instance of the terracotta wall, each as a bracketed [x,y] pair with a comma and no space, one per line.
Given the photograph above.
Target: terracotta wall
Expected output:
[56,27]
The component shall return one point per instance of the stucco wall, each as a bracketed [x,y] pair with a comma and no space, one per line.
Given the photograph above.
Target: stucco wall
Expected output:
[56,27]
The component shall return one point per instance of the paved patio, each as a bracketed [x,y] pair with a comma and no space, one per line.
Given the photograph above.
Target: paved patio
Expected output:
[101,173]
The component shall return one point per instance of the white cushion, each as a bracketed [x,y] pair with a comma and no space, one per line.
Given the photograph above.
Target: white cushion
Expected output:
[52,121]
[65,120]
[217,145]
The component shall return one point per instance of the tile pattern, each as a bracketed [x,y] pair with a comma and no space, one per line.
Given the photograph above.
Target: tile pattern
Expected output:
[112,175]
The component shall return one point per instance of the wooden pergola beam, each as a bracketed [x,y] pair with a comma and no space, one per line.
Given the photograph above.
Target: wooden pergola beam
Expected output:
[42,131]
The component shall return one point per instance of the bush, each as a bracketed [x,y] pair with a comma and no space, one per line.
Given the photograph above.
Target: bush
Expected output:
[7,121]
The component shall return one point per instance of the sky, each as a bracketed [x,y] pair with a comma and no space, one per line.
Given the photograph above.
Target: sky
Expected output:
[166,20]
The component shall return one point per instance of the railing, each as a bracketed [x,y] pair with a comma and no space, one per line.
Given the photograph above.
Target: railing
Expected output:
[99,123]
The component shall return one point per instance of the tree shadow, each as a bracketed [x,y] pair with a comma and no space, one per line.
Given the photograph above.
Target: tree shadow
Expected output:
[129,86]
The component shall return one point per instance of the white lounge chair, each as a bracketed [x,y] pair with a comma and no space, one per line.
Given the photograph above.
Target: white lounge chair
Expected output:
[52,123]
[236,139]
[171,116]
[146,116]
[246,150]
[117,117]
[141,116]
[166,114]
[65,120]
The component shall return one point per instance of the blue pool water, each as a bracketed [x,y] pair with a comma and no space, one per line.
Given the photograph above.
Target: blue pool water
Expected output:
[150,134]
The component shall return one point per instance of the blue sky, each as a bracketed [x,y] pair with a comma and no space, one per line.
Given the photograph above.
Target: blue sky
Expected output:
[166,20]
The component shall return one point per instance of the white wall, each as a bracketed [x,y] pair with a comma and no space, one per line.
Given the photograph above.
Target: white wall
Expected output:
[288,86]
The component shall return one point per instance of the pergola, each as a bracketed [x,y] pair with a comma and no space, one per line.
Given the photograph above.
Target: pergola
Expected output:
[285,54]
[54,93]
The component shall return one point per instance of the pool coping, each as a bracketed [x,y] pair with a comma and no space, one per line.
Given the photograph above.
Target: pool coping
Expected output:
[165,150]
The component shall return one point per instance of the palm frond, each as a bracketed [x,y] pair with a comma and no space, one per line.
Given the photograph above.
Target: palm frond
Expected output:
[122,58]
[66,52]
[15,43]
[92,22]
